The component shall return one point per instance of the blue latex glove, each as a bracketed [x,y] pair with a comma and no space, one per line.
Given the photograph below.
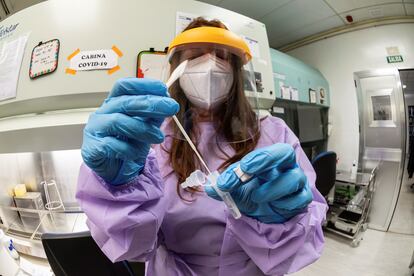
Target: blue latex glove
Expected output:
[278,189]
[117,137]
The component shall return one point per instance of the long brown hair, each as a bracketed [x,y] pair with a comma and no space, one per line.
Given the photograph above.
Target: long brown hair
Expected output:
[237,108]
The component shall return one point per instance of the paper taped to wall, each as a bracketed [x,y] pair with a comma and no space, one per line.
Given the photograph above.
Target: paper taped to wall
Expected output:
[11,57]
[94,60]
[44,58]
[294,94]
[103,59]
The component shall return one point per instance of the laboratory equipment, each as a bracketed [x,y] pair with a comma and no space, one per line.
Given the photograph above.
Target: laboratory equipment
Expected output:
[7,243]
[294,79]
[8,256]
[20,190]
[244,177]
[349,213]
[354,170]
[53,199]
[30,201]
[62,128]
[198,178]
[270,197]
[308,121]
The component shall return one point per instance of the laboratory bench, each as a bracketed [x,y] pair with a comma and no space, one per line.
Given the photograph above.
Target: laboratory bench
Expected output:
[350,205]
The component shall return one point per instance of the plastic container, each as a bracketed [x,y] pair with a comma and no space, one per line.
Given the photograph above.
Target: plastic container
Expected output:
[198,178]
[53,199]
[354,170]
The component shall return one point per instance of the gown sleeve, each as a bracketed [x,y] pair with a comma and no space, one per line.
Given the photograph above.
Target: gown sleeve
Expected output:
[278,249]
[124,220]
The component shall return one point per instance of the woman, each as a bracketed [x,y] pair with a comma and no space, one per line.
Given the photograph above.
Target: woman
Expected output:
[131,193]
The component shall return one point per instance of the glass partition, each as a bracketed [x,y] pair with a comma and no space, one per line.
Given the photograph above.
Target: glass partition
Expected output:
[37,193]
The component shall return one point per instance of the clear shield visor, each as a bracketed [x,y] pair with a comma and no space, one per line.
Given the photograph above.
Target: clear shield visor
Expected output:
[216,92]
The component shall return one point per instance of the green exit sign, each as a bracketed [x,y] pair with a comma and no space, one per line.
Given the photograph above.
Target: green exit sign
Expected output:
[394,59]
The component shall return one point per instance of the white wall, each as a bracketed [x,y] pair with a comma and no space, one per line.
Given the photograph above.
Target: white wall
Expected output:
[338,58]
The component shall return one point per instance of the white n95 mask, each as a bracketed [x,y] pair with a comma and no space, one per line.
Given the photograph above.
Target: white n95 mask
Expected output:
[206,81]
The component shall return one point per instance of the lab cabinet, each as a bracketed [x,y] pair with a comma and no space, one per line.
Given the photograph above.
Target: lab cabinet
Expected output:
[297,78]
[49,112]
[308,121]
[93,25]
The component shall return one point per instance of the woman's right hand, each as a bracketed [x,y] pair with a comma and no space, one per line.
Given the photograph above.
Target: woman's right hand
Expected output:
[117,137]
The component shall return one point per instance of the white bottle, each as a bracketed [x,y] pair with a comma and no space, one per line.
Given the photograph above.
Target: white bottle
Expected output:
[8,245]
[8,263]
[354,170]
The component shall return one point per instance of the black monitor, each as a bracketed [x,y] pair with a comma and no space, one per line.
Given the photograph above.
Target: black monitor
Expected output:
[78,254]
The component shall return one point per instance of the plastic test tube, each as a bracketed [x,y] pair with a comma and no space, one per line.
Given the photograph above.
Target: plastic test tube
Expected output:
[225,196]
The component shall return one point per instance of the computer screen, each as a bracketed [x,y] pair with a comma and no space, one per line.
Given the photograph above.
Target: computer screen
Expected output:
[310,123]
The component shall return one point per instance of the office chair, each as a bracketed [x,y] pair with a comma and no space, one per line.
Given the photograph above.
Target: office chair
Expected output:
[325,168]
[77,254]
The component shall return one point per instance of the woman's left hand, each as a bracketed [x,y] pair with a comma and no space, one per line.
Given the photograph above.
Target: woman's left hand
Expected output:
[277,190]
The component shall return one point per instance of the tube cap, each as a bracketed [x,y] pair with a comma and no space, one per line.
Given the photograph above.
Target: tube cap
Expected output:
[241,174]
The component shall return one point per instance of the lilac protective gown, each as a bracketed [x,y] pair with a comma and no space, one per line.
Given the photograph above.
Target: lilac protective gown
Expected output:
[145,220]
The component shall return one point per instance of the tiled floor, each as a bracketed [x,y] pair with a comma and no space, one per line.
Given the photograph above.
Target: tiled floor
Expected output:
[379,254]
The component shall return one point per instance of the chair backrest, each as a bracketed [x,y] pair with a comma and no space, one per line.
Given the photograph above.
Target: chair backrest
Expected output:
[325,167]
[78,254]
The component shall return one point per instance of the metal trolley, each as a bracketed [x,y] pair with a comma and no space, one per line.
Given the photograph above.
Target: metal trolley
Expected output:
[348,214]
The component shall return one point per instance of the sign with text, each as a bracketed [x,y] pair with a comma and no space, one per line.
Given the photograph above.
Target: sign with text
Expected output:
[7,30]
[394,59]
[44,58]
[105,59]
[11,56]
[94,60]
